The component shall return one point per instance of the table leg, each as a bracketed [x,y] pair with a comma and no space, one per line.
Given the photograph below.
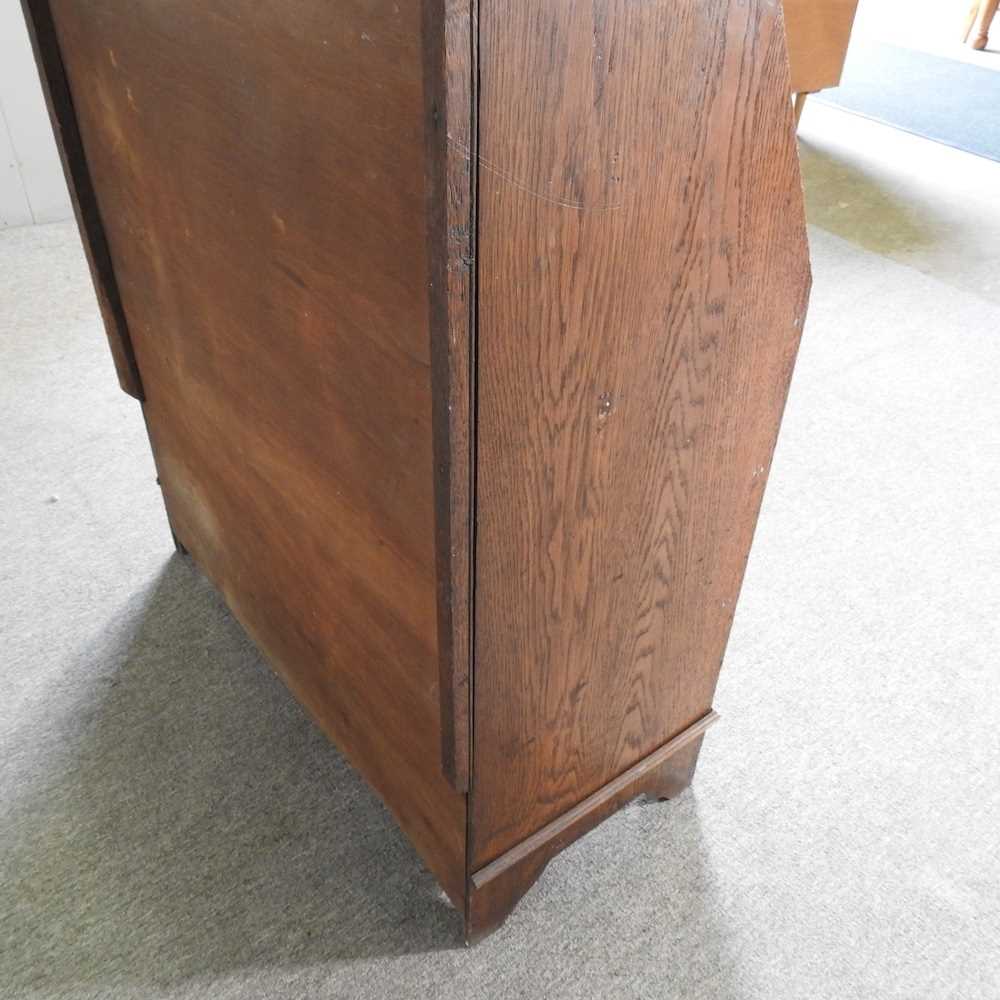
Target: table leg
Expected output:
[800,103]
[970,19]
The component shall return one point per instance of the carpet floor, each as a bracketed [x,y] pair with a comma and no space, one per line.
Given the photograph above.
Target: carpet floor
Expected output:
[947,100]
[172,825]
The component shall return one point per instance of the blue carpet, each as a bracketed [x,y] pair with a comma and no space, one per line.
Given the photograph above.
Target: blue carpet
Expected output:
[942,99]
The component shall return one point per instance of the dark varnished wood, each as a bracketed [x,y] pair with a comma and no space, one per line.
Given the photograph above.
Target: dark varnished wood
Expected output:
[456,343]
[642,285]
[465,329]
[261,174]
[496,889]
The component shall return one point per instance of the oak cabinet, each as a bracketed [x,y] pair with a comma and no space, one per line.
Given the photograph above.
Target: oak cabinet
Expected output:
[462,332]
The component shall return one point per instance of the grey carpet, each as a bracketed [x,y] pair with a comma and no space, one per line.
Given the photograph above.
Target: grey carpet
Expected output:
[171,824]
[945,100]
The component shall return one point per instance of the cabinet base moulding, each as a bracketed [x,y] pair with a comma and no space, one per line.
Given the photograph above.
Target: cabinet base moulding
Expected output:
[496,889]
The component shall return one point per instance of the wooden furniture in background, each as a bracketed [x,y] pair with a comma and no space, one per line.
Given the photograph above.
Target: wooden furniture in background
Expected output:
[818,34]
[462,334]
[980,17]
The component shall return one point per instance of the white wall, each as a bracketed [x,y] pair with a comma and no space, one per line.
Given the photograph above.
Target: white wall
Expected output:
[32,188]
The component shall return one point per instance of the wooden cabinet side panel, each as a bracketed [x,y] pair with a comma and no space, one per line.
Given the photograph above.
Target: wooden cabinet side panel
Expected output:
[260,168]
[643,276]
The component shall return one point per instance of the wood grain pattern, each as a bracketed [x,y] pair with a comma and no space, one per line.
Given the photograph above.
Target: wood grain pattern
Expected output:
[496,889]
[38,15]
[261,173]
[556,831]
[465,328]
[642,286]
[456,344]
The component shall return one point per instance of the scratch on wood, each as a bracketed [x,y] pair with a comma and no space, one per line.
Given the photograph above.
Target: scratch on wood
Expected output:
[514,182]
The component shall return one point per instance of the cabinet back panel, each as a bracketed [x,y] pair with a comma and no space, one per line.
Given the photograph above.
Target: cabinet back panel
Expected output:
[642,278]
[259,169]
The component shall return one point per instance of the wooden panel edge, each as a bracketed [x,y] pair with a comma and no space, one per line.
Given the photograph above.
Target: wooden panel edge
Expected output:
[59,101]
[451,95]
[592,804]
